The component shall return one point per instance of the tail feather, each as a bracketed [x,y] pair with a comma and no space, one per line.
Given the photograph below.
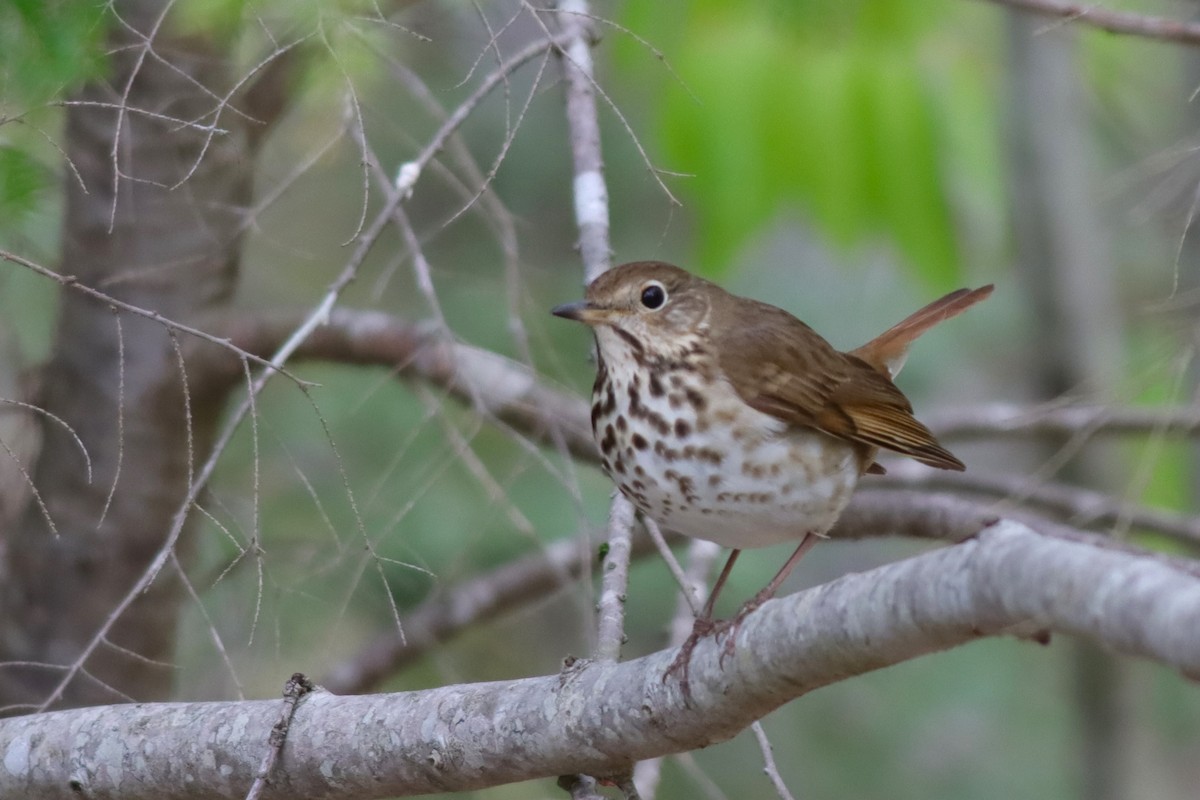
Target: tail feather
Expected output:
[887,351]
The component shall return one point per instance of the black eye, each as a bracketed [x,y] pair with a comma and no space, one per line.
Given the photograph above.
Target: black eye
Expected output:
[653,295]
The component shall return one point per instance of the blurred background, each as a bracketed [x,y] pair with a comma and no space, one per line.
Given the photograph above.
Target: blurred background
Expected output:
[848,161]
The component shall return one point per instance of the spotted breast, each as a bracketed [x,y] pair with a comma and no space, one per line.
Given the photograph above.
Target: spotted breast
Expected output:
[688,452]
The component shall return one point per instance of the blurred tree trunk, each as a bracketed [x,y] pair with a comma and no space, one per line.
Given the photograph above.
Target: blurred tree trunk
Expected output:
[1065,260]
[157,224]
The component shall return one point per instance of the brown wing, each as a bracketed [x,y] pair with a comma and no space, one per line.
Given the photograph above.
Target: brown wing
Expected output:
[782,367]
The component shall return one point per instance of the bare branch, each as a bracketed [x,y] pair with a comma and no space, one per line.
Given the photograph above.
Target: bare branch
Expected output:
[692,582]
[872,513]
[610,634]
[472,602]
[591,193]
[72,283]
[1059,420]
[507,390]
[769,766]
[1080,506]
[1160,28]
[604,716]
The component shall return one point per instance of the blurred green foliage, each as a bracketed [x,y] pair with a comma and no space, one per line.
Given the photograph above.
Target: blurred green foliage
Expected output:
[46,50]
[21,179]
[835,108]
[872,121]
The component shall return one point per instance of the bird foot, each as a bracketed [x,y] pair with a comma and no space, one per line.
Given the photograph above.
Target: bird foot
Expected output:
[701,627]
[720,629]
[729,628]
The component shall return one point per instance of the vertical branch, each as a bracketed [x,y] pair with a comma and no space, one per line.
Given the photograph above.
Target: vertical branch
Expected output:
[591,193]
[591,214]
[611,626]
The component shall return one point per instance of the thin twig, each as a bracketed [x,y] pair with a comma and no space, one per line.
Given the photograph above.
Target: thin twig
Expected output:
[296,687]
[456,608]
[1061,419]
[769,767]
[1079,505]
[123,106]
[1160,28]
[692,581]
[214,634]
[410,171]
[112,489]
[71,282]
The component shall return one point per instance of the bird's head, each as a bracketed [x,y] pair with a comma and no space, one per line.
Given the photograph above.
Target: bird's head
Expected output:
[649,307]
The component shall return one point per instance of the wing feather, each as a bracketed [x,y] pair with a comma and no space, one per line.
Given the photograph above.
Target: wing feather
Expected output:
[780,366]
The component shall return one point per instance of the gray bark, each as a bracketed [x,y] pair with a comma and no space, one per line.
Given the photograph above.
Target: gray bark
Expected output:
[598,718]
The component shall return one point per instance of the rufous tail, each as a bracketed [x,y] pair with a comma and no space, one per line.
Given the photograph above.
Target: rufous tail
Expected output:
[887,351]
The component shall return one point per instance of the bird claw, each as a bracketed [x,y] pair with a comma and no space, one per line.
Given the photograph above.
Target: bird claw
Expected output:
[723,629]
[701,627]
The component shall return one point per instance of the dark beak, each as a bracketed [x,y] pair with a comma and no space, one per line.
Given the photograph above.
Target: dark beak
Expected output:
[576,311]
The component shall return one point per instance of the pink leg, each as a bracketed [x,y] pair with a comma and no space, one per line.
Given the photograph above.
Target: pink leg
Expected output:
[730,628]
[768,591]
[704,624]
[700,628]
[716,590]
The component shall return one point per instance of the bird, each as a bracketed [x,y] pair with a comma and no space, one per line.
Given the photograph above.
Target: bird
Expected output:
[728,419]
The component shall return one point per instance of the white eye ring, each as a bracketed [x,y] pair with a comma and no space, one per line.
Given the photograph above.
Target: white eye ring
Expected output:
[654,295]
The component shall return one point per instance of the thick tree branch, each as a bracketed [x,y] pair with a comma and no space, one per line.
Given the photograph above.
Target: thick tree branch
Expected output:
[502,388]
[597,718]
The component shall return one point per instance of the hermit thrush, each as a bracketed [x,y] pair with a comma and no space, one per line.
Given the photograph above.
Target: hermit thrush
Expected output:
[728,419]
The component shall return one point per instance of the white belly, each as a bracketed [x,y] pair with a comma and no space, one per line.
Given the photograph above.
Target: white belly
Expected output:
[756,484]
[752,500]
[741,511]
